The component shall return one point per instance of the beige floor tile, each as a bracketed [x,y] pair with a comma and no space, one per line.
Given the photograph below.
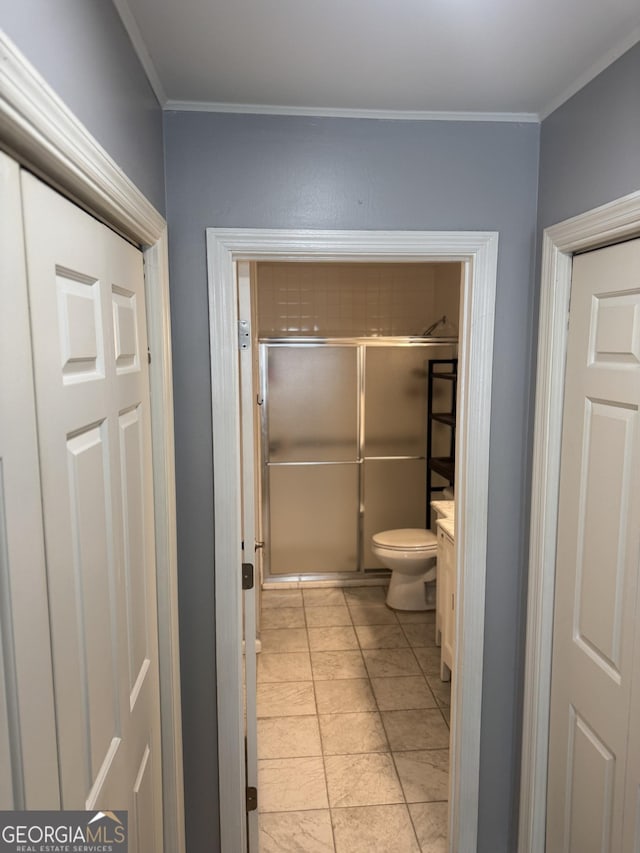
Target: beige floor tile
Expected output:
[374,829]
[362,780]
[280,598]
[446,713]
[416,616]
[366,594]
[424,729]
[424,775]
[284,640]
[291,784]
[288,666]
[332,638]
[344,734]
[441,690]
[283,617]
[336,614]
[344,696]
[288,737]
[372,614]
[285,700]
[381,637]
[402,694]
[429,659]
[329,665]
[420,634]
[430,821]
[322,597]
[383,663]
[296,832]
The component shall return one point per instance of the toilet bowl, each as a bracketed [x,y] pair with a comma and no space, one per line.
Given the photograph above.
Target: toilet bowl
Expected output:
[411,554]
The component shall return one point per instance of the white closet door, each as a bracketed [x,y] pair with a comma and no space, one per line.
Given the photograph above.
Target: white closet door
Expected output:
[28,755]
[86,290]
[596,602]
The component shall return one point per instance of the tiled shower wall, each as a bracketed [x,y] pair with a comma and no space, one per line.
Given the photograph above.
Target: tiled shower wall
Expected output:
[355,299]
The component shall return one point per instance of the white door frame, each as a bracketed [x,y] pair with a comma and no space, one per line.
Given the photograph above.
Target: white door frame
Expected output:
[43,134]
[610,223]
[478,252]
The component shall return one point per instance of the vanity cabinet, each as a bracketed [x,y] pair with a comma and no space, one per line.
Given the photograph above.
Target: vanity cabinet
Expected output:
[446,600]
[440,509]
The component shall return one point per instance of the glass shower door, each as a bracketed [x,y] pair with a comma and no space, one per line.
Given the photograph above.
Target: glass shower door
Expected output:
[395,438]
[311,456]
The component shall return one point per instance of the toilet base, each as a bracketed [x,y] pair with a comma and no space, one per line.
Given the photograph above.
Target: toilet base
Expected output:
[409,591]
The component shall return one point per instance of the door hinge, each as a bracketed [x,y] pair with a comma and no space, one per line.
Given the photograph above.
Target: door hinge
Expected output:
[148,355]
[244,338]
[252,799]
[247,576]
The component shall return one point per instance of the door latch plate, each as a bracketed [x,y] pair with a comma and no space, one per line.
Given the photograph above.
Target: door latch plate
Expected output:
[247,576]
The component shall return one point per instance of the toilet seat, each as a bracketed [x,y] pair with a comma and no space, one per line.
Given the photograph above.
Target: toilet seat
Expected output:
[406,539]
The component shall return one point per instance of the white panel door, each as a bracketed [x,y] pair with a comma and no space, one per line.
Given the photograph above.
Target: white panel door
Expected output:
[86,291]
[28,754]
[595,668]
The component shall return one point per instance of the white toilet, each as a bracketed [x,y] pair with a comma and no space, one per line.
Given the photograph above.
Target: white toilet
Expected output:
[411,555]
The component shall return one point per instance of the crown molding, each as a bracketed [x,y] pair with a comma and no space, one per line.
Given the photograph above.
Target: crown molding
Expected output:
[328,112]
[620,48]
[133,31]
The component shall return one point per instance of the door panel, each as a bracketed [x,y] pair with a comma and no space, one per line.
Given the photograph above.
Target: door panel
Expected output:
[86,290]
[313,513]
[394,496]
[132,480]
[312,404]
[396,399]
[589,787]
[595,653]
[604,495]
[93,581]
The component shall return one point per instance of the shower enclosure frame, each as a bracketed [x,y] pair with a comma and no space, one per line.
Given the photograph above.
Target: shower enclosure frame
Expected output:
[360,343]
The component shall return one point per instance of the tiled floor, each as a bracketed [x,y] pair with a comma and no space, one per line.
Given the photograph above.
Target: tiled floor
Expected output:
[353,731]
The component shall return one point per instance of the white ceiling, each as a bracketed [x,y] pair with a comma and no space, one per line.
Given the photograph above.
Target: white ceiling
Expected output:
[522,57]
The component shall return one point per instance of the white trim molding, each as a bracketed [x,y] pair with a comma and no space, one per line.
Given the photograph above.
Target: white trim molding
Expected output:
[610,223]
[39,130]
[139,45]
[629,39]
[348,112]
[478,252]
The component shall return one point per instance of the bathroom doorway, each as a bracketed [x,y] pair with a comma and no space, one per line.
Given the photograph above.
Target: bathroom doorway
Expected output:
[477,252]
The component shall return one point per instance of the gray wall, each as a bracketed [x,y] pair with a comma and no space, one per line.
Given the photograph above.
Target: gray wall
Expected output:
[277,172]
[82,50]
[590,146]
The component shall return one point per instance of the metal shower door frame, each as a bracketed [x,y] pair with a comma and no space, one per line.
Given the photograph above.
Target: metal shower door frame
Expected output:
[361,343]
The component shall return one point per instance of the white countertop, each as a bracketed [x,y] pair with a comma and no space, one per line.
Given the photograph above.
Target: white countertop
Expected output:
[444,509]
[448,525]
